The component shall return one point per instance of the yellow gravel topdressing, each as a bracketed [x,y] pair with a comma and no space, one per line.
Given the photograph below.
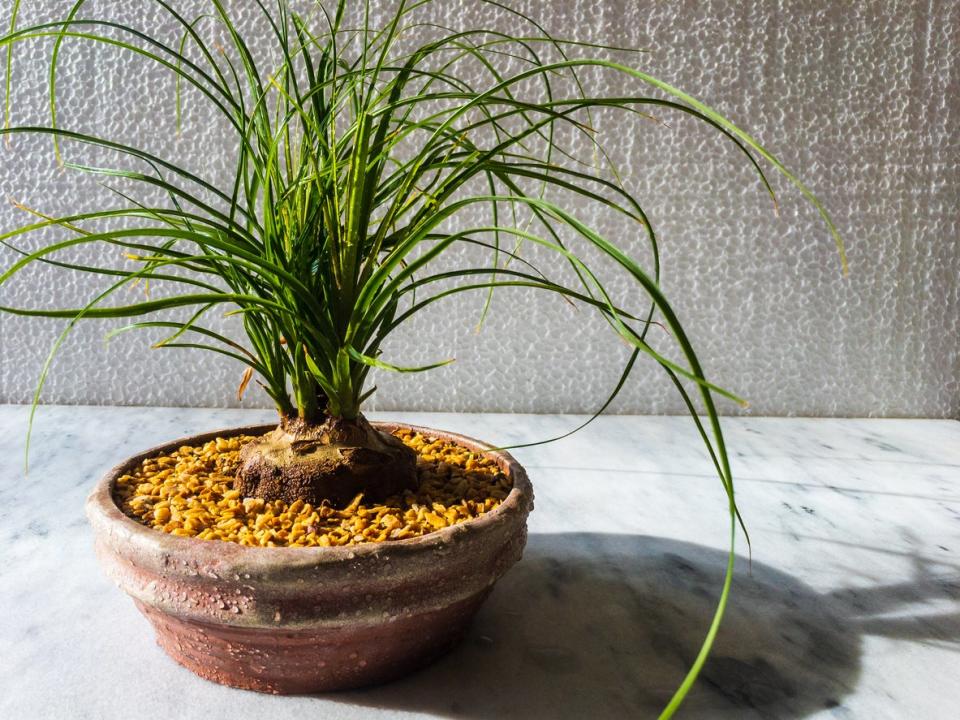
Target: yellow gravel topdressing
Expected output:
[190,492]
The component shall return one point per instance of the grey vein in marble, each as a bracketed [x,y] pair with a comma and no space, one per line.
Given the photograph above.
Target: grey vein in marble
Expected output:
[850,609]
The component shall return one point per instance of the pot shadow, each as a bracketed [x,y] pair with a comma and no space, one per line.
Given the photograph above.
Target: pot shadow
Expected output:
[595,626]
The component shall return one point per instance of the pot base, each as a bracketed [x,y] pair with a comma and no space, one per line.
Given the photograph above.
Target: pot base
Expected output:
[301,662]
[290,620]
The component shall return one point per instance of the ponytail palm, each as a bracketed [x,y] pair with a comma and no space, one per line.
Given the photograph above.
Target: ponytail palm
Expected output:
[363,155]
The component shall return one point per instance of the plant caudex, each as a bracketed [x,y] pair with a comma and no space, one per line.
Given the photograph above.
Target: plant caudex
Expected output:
[362,156]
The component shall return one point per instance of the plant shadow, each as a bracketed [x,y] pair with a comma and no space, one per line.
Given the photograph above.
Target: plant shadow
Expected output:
[596,626]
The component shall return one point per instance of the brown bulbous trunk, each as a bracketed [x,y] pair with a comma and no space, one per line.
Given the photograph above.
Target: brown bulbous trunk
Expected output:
[332,460]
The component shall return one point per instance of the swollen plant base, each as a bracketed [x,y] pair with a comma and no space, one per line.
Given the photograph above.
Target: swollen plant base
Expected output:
[330,461]
[310,619]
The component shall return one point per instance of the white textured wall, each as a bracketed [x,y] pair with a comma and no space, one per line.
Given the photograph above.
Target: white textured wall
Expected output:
[862,98]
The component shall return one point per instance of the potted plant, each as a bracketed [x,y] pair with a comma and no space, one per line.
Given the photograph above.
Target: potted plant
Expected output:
[329,551]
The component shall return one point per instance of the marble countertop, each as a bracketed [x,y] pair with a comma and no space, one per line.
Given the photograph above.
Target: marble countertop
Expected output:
[851,608]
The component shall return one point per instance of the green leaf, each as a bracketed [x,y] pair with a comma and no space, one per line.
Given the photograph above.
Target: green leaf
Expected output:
[374,362]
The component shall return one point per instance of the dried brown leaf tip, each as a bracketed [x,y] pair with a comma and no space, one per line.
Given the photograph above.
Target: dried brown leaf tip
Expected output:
[244,381]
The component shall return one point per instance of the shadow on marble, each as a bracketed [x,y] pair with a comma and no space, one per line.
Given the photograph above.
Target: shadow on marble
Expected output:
[597,626]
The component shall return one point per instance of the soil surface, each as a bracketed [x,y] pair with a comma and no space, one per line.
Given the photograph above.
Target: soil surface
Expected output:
[191,493]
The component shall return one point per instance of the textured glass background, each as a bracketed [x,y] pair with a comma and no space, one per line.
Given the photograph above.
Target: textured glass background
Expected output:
[862,99]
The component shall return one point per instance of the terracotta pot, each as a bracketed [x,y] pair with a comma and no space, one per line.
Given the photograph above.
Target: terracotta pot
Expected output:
[299,620]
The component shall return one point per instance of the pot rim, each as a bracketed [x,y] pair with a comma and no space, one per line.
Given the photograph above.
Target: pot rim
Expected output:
[101,508]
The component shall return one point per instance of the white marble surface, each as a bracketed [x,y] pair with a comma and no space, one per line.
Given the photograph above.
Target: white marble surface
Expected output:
[851,610]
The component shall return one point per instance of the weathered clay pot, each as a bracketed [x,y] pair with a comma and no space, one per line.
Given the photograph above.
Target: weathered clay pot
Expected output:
[299,620]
